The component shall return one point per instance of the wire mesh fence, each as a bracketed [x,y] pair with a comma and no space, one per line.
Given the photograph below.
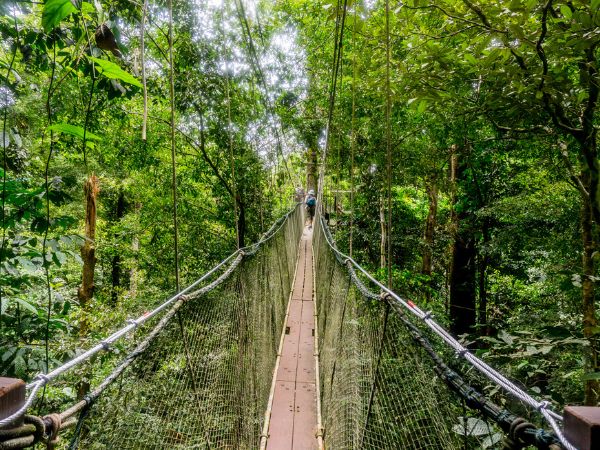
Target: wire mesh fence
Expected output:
[204,381]
[201,377]
[384,385]
[377,391]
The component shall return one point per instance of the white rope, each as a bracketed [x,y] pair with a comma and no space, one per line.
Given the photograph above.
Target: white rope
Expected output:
[42,379]
[460,350]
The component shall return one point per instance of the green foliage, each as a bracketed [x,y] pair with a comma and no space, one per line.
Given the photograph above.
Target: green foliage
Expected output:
[112,71]
[55,11]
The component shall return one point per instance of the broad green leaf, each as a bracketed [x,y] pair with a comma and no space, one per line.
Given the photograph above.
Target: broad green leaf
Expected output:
[507,338]
[111,70]
[87,7]
[566,11]
[491,440]
[591,376]
[55,11]
[28,306]
[73,130]
[8,353]
[470,58]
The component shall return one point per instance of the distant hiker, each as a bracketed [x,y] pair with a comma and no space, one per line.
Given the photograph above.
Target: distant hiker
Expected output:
[311,203]
[299,195]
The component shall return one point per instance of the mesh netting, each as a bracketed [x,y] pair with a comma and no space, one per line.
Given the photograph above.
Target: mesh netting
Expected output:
[378,390]
[204,381]
[201,377]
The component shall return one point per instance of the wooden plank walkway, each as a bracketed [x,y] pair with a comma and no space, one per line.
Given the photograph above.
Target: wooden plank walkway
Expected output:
[293,421]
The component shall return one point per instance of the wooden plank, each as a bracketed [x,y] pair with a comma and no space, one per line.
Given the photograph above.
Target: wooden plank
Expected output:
[294,316]
[308,314]
[293,415]
[305,371]
[282,417]
[288,364]
[305,417]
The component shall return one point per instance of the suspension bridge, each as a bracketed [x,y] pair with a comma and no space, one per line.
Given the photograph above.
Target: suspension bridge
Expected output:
[289,344]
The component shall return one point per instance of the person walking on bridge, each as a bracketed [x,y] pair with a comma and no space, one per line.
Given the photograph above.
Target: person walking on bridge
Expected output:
[311,204]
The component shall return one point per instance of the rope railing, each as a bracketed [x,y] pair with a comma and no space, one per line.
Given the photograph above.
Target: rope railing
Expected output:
[233,260]
[427,318]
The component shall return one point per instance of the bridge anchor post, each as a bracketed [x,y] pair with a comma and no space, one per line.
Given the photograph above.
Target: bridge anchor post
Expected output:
[582,426]
[12,396]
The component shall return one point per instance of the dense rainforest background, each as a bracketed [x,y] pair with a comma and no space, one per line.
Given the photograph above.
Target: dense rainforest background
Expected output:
[143,141]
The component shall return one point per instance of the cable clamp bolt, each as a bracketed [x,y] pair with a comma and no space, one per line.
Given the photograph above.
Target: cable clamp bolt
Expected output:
[461,353]
[428,315]
[105,345]
[133,322]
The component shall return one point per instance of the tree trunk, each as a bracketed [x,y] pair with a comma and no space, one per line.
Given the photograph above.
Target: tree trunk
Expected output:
[311,168]
[88,253]
[590,320]
[462,283]
[462,273]
[453,227]
[484,329]
[135,247]
[384,236]
[116,260]
[241,222]
[428,238]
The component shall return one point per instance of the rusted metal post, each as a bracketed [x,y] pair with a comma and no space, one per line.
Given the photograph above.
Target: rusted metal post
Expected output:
[582,426]
[12,396]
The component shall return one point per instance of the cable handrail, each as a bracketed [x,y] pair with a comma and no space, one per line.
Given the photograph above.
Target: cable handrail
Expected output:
[426,316]
[43,379]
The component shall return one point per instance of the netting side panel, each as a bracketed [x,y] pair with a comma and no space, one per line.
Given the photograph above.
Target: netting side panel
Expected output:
[377,391]
[410,405]
[204,381]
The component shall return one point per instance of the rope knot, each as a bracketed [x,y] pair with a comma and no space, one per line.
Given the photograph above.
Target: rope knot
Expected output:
[52,424]
[41,377]
[543,405]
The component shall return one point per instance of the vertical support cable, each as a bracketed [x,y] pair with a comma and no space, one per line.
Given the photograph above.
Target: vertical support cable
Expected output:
[173,162]
[334,76]
[4,146]
[143,63]
[232,159]
[174,187]
[45,241]
[376,374]
[388,143]
[352,132]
